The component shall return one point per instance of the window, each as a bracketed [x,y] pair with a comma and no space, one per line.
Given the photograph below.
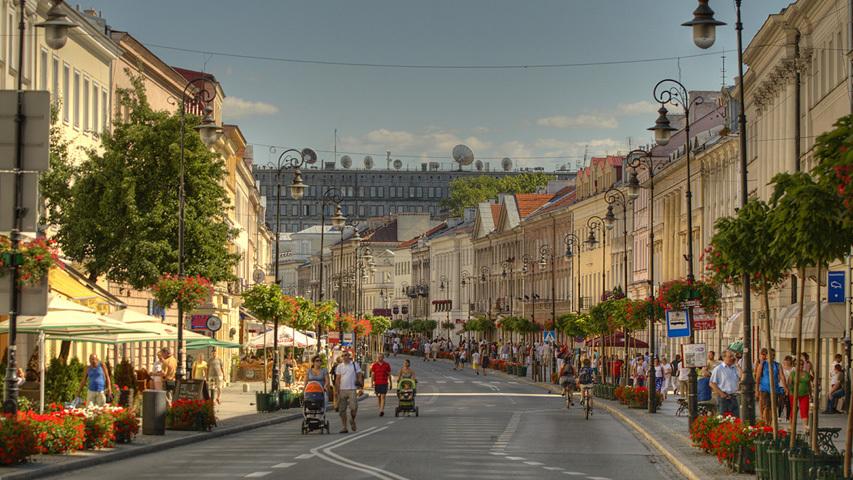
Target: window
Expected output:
[13,40]
[55,80]
[76,99]
[95,111]
[5,30]
[85,105]
[43,70]
[105,111]
[66,93]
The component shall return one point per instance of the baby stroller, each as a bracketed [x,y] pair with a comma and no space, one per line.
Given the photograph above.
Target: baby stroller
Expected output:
[406,397]
[314,408]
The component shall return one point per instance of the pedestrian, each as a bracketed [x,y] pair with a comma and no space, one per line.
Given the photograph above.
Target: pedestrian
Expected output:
[427,350]
[784,405]
[169,369]
[349,381]
[98,380]
[20,378]
[199,370]
[380,372]
[762,375]
[435,349]
[395,347]
[667,377]
[617,370]
[289,367]
[484,360]
[676,365]
[475,361]
[801,392]
[836,389]
[724,382]
[215,376]
[683,378]
[658,375]
[640,372]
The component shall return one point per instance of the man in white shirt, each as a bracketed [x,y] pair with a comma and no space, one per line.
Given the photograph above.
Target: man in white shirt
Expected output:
[427,350]
[725,379]
[348,384]
[683,377]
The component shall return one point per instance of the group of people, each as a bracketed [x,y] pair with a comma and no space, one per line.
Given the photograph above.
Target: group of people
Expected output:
[344,382]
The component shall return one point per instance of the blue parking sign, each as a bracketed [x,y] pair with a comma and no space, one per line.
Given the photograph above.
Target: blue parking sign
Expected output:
[835,286]
[677,323]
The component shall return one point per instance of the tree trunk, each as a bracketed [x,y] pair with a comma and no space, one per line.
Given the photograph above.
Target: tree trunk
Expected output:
[816,407]
[64,350]
[765,296]
[801,273]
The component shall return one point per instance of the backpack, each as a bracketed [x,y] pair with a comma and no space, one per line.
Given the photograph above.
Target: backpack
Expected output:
[586,375]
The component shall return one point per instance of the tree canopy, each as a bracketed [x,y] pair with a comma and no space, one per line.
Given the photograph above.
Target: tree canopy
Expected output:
[118,212]
[469,191]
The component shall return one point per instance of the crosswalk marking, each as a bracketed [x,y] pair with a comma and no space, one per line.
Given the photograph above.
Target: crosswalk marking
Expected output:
[284,465]
[304,456]
[257,474]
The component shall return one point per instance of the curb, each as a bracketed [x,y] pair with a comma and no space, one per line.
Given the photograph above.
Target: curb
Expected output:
[678,464]
[144,450]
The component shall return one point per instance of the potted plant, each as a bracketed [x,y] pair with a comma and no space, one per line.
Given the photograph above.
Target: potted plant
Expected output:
[191,415]
[18,441]
[125,380]
[125,425]
[35,257]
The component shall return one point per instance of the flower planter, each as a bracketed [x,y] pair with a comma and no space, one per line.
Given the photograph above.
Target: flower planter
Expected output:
[762,458]
[521,371]
[284,399]
[777,456]
[637,405]
[511,369]
[266,402]
[745,460]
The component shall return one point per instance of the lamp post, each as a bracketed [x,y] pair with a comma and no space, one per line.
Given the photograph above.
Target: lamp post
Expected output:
[506,273]
[672,92]
[466,280]
[597,223]
[614,196]
[357,238]
[332,196]
[444,286]
[704,34]
[56,34]
[544,254]
[485,273]
[529,266]
[290,159]
[573,243]
[636,159]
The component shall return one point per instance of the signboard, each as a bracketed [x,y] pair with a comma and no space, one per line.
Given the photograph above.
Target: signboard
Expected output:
[199,322]
[549,336]
[691,303]
[835,286]
[348,339]
[191,390]
[677,324]
[703,320]
[695,355]
[33,297]
[334,338]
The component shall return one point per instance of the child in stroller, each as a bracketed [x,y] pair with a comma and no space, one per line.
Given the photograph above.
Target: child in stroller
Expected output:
[406,389]
[314,408]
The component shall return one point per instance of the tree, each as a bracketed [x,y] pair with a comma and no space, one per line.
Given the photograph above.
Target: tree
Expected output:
[121,217]
[467,192]
[811,231]
[743,245]
[573,325]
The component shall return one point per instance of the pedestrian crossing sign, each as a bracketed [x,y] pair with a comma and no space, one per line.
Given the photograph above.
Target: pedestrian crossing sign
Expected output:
[549,336]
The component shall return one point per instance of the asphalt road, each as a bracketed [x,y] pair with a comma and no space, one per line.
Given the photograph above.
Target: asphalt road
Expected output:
[469,426]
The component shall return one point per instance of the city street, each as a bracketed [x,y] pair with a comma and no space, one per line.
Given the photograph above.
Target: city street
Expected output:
[469,427]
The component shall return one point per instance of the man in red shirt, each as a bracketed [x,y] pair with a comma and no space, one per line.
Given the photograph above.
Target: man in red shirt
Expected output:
[380,371]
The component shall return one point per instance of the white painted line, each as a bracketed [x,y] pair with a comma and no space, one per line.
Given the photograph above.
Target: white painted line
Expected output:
[284,465]
[534,463]
[257,474]
[328,455]
[553,469]
[304,456]
[575,473]
[598,478]
[497,453]
[515,458]
[487,394]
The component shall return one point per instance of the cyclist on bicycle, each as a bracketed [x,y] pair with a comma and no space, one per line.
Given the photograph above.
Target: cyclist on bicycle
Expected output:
[567,381]
[586,377]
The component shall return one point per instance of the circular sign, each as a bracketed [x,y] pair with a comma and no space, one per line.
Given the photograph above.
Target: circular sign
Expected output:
[214,323]
[259,276]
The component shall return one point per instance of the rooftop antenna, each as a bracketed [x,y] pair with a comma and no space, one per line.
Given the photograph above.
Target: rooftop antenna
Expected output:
[723,57]
[387,160]
[585,152]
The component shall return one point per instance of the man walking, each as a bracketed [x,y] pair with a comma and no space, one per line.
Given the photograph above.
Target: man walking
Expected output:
[215,375]
[349,380]
[170,368]
[99,382]
[380,372]
[724,382]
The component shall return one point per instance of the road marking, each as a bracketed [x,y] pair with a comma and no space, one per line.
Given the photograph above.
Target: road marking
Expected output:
[325,452]
[284,465]
[553,469]
[497,453]
[513,383]
[534,463]
[598,478]
[484,394]
[257,474]
[304,456]
[515,458]
[575,473]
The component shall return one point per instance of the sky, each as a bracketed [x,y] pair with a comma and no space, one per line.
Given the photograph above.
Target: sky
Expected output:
[539,117]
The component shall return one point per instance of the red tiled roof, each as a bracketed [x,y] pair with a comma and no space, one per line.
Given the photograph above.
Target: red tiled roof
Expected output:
[496,210]
[527,203]
[565,196]
[432,231]
[385,233]
[193,74]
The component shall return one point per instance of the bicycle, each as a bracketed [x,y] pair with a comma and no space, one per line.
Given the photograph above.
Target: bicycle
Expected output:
[586,400]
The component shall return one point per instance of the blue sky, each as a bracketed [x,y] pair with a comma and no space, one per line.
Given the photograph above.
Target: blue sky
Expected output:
[421,113]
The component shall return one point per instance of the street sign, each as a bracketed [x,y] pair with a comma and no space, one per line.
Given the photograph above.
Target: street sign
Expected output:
[33,297]
[677,324]
[334,338]
[198,322]
[695,355]
[691,303]
[348,339]
[30,193]
[549,336]
[703,320]
[835,293]
[36,154]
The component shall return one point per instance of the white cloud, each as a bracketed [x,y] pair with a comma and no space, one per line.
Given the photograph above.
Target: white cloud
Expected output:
[429,141]
[578,121]
[390,137]
[234,107]
[481,130]
[636,108]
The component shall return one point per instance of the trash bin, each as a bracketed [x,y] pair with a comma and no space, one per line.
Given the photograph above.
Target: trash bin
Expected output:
[154,412]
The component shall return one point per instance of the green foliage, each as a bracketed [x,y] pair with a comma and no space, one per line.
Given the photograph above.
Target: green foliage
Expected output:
[125,376]
[742,245]
[606,316]
[326,313]
[809,221]
[379,324]
[573,324]
[423,326]
[401,325]
[469,191]
[62,381]
[637,313]
[266,302]
[480,324]
[121,219]
[447,325]
[306,314]
[834,153]
[673,293]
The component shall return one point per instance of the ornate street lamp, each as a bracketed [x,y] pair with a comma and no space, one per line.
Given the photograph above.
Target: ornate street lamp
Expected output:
[704,34]
[614,196]
[289,159]
[332,196]
[573,243]
[594,223]
[529,266]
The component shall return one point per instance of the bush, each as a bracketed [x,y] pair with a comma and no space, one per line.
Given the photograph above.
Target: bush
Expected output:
[125,376]
[125,426]
[191,414]
[99,431]
[57,432]
[18,441]
[61,381]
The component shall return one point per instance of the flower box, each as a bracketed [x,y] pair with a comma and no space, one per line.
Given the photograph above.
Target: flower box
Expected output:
[191,415]
[18,440]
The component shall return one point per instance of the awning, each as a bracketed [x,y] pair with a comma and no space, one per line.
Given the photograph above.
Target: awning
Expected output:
[831,321]
[74,285]
[67,318]
[733,327]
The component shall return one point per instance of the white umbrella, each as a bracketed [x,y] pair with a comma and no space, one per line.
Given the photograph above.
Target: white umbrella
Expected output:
[287,337]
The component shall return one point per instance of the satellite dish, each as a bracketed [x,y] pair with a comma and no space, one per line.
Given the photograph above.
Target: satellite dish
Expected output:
[309,156]
[478,165]
[346,161]
[368,162]
[398,164]
[506,164]
[463,155]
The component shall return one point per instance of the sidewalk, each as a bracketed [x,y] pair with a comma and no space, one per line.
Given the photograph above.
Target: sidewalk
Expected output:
[236,414]
[669,434]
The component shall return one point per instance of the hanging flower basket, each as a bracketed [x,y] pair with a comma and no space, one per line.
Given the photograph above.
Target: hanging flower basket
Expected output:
[673,294]
[35,258]
[188,292]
